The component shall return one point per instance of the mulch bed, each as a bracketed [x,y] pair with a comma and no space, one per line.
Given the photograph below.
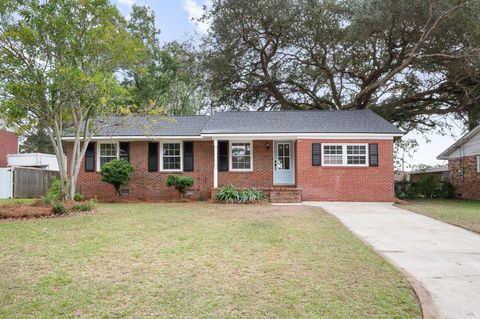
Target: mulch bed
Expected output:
[21,210]
[36,209]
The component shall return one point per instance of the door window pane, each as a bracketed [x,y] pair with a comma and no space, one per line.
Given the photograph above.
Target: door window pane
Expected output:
[283,156]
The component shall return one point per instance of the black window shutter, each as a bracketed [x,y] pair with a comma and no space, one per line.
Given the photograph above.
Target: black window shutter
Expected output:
[316,154]
[125,151]
[373,154]
[153,157]
[223,156]
[90,157]
[188,156]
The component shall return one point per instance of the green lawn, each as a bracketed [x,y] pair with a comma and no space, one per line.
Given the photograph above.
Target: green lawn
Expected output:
[16,200]
[195,261]
[462,213]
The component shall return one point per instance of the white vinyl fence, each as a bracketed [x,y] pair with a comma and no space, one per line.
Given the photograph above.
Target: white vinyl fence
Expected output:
[6,183]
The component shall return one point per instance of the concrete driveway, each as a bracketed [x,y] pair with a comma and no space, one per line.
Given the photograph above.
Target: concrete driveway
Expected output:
[441,261]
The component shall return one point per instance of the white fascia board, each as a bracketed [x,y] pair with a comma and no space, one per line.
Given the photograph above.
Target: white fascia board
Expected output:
[135,138]
[445,155]
[449,157]
[284,136]
[264,136]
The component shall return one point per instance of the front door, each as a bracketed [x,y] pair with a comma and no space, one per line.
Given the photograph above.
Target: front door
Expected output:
[283,163]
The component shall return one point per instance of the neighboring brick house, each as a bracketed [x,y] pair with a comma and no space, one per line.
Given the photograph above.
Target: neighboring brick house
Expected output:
[292,155]
[464,165]
[438,174]
[8,144]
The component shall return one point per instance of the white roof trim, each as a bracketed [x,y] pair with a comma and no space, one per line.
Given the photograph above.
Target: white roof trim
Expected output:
[273,136]
[445,155]
[267,136]
[134,138]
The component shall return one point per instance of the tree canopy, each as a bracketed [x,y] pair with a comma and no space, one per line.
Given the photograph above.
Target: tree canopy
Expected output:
[66,64]
[406,60]
[59,65]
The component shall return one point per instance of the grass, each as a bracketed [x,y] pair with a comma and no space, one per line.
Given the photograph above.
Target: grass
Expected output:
[5,201]
[195,261]
[462,213]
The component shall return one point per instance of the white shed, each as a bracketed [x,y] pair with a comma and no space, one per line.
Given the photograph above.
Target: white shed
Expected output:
[38,160]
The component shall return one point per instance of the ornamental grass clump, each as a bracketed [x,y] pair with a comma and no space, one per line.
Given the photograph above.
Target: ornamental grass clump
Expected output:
[230,194]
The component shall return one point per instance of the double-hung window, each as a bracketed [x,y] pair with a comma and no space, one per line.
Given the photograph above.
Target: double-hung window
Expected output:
[332,155]
[106,153]
[345,154]
[241,156]
[478,164]
[356,154]
[171,156]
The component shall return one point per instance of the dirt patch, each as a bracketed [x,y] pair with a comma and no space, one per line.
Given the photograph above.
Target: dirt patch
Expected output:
[398,201]
[20,210]
[37,209]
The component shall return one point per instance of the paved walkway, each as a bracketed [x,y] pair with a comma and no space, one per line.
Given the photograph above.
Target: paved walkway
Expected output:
[442,261]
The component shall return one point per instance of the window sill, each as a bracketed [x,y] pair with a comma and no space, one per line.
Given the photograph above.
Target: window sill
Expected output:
[346,166]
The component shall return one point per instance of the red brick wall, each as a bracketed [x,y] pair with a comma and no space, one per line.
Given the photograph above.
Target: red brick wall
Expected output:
[151,185]
[262,175]
[320,183]
[8,145]
[462,173]
[317,183]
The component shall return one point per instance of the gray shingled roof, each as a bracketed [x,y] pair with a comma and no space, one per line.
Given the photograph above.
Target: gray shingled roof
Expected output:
[152,125]
[352,121]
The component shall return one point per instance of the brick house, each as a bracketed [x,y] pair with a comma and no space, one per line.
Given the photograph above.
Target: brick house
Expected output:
[8,143]
[464,164]
[291,155]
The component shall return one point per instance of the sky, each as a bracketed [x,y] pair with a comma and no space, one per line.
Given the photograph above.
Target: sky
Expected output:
[174,19]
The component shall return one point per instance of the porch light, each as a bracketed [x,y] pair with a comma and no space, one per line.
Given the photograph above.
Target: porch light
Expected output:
[268,145]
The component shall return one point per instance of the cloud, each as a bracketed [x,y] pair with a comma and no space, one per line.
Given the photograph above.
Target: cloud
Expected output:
[195,11]
[127,2]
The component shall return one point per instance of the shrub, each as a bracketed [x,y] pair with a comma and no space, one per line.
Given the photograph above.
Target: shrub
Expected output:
[118,173]
[59,209]
[230,194]
[54,193]
[84,207]
[78,197]
[444,189]
[411,191]
[180,182]
[427,186]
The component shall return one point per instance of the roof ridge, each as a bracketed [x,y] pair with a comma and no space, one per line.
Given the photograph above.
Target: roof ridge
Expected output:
[293,111]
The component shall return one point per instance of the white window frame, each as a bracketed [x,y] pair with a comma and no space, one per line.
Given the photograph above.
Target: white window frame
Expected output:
[181,156]
[478,163]
[230,156]
[344,154]
[117,143]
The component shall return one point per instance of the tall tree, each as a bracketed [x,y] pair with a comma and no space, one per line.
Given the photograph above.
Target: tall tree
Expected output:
[167,79]
[59,61]
[390,56]
[36,140]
